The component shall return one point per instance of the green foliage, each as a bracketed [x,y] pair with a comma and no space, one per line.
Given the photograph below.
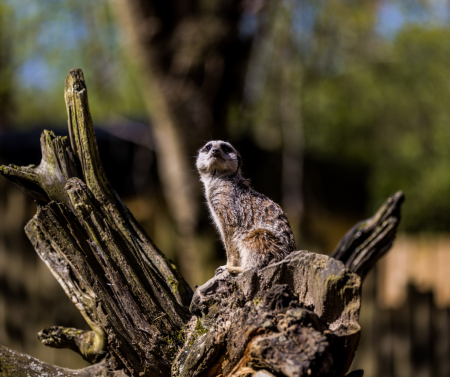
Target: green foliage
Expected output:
[348,92]
[393,115]
[363,97]
[46,39]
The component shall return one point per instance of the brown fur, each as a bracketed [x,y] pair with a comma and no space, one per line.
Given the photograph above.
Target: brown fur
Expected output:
[254,229]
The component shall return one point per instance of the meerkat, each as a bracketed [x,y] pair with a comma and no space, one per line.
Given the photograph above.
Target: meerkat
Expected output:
[254,230]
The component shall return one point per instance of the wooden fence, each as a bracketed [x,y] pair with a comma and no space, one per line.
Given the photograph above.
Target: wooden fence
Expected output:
[405,315]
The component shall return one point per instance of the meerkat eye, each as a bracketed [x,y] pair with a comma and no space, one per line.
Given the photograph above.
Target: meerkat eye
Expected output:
[225,148]
[207,148]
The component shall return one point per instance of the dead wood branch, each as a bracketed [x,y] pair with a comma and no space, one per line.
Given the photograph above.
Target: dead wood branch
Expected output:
[298,317]
[370,239]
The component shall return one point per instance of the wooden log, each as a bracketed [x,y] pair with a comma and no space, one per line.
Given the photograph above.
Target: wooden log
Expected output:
[129,293]
[46,182]
[298,317]
[85,148]
[17,364]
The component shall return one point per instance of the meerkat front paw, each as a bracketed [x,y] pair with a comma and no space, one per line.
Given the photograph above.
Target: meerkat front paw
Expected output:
[220,270]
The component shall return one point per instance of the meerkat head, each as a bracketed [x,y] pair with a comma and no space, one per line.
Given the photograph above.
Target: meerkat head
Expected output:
[218,158]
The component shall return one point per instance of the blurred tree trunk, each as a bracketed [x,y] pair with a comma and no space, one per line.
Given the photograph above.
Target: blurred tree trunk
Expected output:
[273,102]
[290,110]
[191,62]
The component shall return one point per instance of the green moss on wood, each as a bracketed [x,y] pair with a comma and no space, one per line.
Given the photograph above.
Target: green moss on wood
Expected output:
[173,283]
[199,328]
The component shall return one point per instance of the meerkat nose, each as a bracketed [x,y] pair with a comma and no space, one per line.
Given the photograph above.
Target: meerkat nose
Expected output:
[214,151]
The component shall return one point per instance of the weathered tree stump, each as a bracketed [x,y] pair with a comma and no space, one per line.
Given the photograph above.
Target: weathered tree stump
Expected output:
[298,317]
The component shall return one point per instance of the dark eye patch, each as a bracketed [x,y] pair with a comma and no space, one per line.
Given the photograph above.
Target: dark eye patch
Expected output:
[207,148]
[225,148]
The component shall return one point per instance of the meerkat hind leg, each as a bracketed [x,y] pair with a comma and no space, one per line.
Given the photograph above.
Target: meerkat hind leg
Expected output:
[234,265]
[234,269]
[255,249]
[230,269]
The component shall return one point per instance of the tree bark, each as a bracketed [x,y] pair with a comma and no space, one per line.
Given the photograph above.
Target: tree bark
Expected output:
[17,364]
[130,295]
[298,317]
[370,239]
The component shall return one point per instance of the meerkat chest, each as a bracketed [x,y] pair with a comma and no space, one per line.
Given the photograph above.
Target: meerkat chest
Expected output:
[215,214]
[223,208]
